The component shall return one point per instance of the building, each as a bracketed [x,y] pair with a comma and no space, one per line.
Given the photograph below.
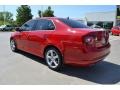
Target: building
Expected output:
[103,19]
[81,20]
[118,15]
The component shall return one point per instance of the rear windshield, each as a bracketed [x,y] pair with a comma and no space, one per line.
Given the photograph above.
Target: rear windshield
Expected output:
[73,23]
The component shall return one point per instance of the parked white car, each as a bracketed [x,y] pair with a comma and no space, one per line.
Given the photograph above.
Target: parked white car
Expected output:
[6,28]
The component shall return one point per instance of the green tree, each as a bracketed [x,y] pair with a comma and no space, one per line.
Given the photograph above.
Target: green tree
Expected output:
[48,12]
[39,13]
[23,14]
[7,15]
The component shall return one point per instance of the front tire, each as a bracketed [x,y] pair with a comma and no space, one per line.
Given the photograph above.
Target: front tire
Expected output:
[53,59]
[13,45]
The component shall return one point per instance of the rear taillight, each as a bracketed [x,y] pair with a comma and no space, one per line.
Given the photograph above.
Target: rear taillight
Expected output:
[89,40]
[96,39]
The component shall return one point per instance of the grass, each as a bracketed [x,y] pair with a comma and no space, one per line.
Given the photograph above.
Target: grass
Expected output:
[2,22]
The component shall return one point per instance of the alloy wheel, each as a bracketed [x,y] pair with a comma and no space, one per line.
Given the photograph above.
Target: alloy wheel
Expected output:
[12,44]
[52,59]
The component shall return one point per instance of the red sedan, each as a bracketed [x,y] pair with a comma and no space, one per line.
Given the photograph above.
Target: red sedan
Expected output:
[115,30]
[61,41]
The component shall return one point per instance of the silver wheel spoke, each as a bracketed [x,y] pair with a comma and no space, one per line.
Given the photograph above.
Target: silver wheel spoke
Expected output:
[12,45]
[50,61]
[55,62]
[49,57]
[55,57]
[51,52]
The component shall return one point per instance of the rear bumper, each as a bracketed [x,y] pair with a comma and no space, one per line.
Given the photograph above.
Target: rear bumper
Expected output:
[92,61]
[87,57]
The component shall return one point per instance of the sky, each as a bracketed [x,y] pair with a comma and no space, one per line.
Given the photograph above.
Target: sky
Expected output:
[73,11]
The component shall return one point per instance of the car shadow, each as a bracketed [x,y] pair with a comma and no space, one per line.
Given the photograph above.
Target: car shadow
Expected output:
[33,57]
[102,73]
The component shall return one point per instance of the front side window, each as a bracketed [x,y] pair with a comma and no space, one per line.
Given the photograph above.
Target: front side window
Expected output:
[73,23]
[28,25]
[44,24]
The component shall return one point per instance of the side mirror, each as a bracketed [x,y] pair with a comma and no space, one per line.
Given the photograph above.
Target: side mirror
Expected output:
[18,29]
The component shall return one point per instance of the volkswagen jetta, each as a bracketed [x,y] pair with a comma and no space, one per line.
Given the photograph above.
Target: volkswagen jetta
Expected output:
[61,41]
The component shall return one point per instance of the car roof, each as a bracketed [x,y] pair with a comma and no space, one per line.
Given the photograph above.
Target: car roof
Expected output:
[47,18]
[50,18]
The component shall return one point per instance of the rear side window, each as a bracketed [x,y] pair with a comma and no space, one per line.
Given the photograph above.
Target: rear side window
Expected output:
[29,25]
[73,23]
[44,24]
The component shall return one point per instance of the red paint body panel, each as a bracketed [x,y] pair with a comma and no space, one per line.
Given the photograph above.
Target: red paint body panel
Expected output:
[68,40]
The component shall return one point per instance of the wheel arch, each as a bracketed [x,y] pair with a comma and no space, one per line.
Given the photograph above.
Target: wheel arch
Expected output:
[11,38]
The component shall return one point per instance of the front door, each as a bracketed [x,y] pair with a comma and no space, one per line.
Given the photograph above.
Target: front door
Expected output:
[24,35]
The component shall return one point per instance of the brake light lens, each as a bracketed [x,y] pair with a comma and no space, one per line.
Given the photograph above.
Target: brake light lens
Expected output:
[96,39]
[89,40]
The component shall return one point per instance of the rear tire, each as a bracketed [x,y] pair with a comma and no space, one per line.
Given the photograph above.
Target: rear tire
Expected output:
[53,59]
[13,45]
